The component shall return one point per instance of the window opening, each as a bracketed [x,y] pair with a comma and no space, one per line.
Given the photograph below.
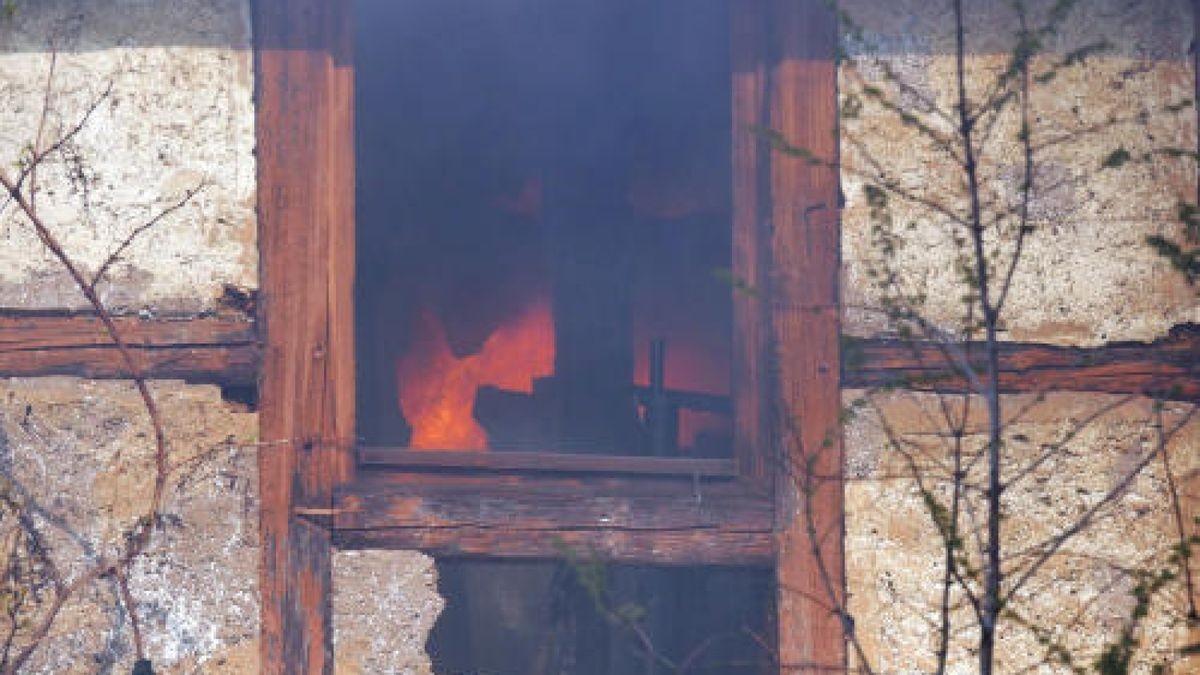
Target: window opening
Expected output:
[577,618]
[543,219]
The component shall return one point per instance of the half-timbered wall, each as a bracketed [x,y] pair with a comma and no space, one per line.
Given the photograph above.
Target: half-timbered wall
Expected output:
[181,113]
[1087,280]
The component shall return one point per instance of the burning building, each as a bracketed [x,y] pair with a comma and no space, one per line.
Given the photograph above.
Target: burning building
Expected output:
[528,335]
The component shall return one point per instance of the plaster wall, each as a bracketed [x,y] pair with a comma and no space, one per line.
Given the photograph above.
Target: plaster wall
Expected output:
[78,455]
[1086,277]
[177,116]
[1070,458]
[180,115]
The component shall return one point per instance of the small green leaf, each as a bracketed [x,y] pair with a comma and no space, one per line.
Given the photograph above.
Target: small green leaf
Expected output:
[1118,158]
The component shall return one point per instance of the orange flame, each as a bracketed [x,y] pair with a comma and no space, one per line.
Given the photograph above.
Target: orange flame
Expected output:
[437,389]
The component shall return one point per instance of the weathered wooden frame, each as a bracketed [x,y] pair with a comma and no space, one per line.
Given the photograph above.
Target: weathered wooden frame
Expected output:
[311,500]
[316,494]
[302,342]
[312,496]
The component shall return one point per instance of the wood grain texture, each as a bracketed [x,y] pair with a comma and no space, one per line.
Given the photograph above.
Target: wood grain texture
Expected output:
[211,350]
[1167,368]
[803,292]
[304,80]
[696,547]
[748,30]
[648,519]
[544,462]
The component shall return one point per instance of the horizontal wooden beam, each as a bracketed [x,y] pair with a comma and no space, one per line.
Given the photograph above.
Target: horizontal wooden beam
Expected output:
[1167,368]
[197,349]
[548,462]
[642,519]
[697,547]
[226,351]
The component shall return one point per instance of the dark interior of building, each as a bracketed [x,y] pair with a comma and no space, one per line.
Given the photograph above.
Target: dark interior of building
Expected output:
[543,212]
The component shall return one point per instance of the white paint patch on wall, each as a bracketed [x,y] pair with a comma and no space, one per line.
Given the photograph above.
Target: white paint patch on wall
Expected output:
[384,605]
[179,114]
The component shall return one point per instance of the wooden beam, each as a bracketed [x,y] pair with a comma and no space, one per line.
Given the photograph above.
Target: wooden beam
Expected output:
[1168,368]
[305,111]
[226,351]
[649,519]
[214,350]
[751,395]
[692,547]
[544,462]
[803,291]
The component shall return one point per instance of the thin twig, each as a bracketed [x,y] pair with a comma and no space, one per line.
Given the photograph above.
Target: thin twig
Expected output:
[140,534]
[41,128]
[137,231]
[1185,559]
[1026,137]
[1050,547]
[135,622]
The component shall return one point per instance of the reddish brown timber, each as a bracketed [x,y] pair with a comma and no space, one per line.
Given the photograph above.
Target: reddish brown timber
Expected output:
[384,457]
[748,26]
[304,84]
[1167,368]
[549,502]
[206,349]
[692,547]
[648,519]
[803,289]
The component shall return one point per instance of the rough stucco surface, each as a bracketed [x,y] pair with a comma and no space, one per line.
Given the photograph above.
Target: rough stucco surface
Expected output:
[384,605]
[1084,594]
[179,115]
[1086,276]
[82,451]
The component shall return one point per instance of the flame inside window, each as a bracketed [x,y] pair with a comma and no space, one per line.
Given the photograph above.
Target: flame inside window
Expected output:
[437,389]
[543,202]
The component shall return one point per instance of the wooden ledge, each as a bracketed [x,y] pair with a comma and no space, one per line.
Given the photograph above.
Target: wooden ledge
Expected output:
[546,462]
[203,349]
[1168,368]
[647,519]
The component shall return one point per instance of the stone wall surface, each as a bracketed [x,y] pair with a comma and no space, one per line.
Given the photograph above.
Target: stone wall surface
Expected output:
[1086,275]
[178,115]
[80,455]
[384,605]
[1070,458]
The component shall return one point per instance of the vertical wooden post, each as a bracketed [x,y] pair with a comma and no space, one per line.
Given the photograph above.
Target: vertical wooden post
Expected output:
[304,85]
[805,244]
[748,44]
